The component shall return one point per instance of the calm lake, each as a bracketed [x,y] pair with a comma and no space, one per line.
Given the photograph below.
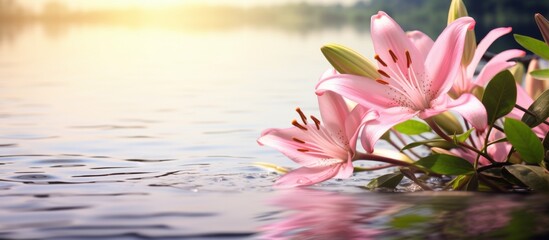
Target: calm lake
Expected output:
[144,132]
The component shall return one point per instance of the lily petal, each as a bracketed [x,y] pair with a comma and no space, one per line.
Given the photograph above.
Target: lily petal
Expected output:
[498,151]
[281,140]
[345,169]
[524,100]
[497,64]
[387,36]
[422,42]
[361,90]
[468,106]
[386,120]
[358,118]
[305,176]
[333,111]
[443,61]
[483,46]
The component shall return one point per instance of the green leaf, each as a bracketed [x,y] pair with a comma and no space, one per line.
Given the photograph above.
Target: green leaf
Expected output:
[539,108]
[459,181]
[462,137]
[389,181]
[446,164]
[534,177]
[472,183]
[545,142]
[533,45]
[412,127]
[524,141]
[424,142]
[500,96]
[542,74]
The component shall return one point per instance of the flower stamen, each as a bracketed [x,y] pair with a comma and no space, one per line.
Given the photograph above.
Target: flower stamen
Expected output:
[296,124]
[382,82]
[317,122]
[383,73]
[302,150]
[298,140]
[393,55]
[408,59]
[380,60]
[303,117]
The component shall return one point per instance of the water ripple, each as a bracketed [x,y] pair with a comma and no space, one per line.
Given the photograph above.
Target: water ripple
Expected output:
[110,174]
[63,208]
[149,160]
[161,215]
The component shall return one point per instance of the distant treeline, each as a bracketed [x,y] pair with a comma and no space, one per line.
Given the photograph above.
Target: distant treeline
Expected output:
[426,15]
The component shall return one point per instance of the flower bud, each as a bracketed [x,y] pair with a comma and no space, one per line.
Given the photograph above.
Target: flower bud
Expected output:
[457,10]
[518,72]
[543,26]
[393,155]
[534,87]
[477,91]
[449,123]
[347,61]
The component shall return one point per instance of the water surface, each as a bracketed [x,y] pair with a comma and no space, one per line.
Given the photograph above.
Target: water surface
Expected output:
[141,132]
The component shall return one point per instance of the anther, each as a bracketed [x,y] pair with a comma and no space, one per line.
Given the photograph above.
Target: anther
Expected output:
[393,55]
[296,124]
[408,59]
[303,118]
[382,82]
[317,122]
[302,150]
[380,60]
[383,73]
[298,140]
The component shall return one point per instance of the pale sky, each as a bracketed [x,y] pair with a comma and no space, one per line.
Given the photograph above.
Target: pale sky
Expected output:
[85,4]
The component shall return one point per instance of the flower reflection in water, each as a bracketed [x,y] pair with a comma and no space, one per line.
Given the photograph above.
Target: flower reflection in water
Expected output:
[493,217]
[313,214]
[324,215]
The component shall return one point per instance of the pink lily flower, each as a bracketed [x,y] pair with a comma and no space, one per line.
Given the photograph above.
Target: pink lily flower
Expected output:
[465,82]
[525,100]
[498,151]
[414,79]
[324,215]
[324,148]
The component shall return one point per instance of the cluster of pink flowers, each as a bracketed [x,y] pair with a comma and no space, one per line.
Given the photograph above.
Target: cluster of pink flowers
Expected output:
[415,77]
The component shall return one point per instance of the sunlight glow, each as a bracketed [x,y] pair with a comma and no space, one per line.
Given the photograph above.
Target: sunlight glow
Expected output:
[87,4]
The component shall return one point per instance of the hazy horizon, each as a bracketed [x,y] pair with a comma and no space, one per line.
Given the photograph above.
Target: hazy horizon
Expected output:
[106,4]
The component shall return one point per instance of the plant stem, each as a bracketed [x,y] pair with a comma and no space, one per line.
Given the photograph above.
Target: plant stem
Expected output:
[494,165]
[529,113]
[467,127]
[489,183]
[372,157]
[443,135]
[362,169]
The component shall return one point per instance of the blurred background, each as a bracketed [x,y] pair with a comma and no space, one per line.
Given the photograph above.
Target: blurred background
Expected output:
[123,118]
[287,15]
